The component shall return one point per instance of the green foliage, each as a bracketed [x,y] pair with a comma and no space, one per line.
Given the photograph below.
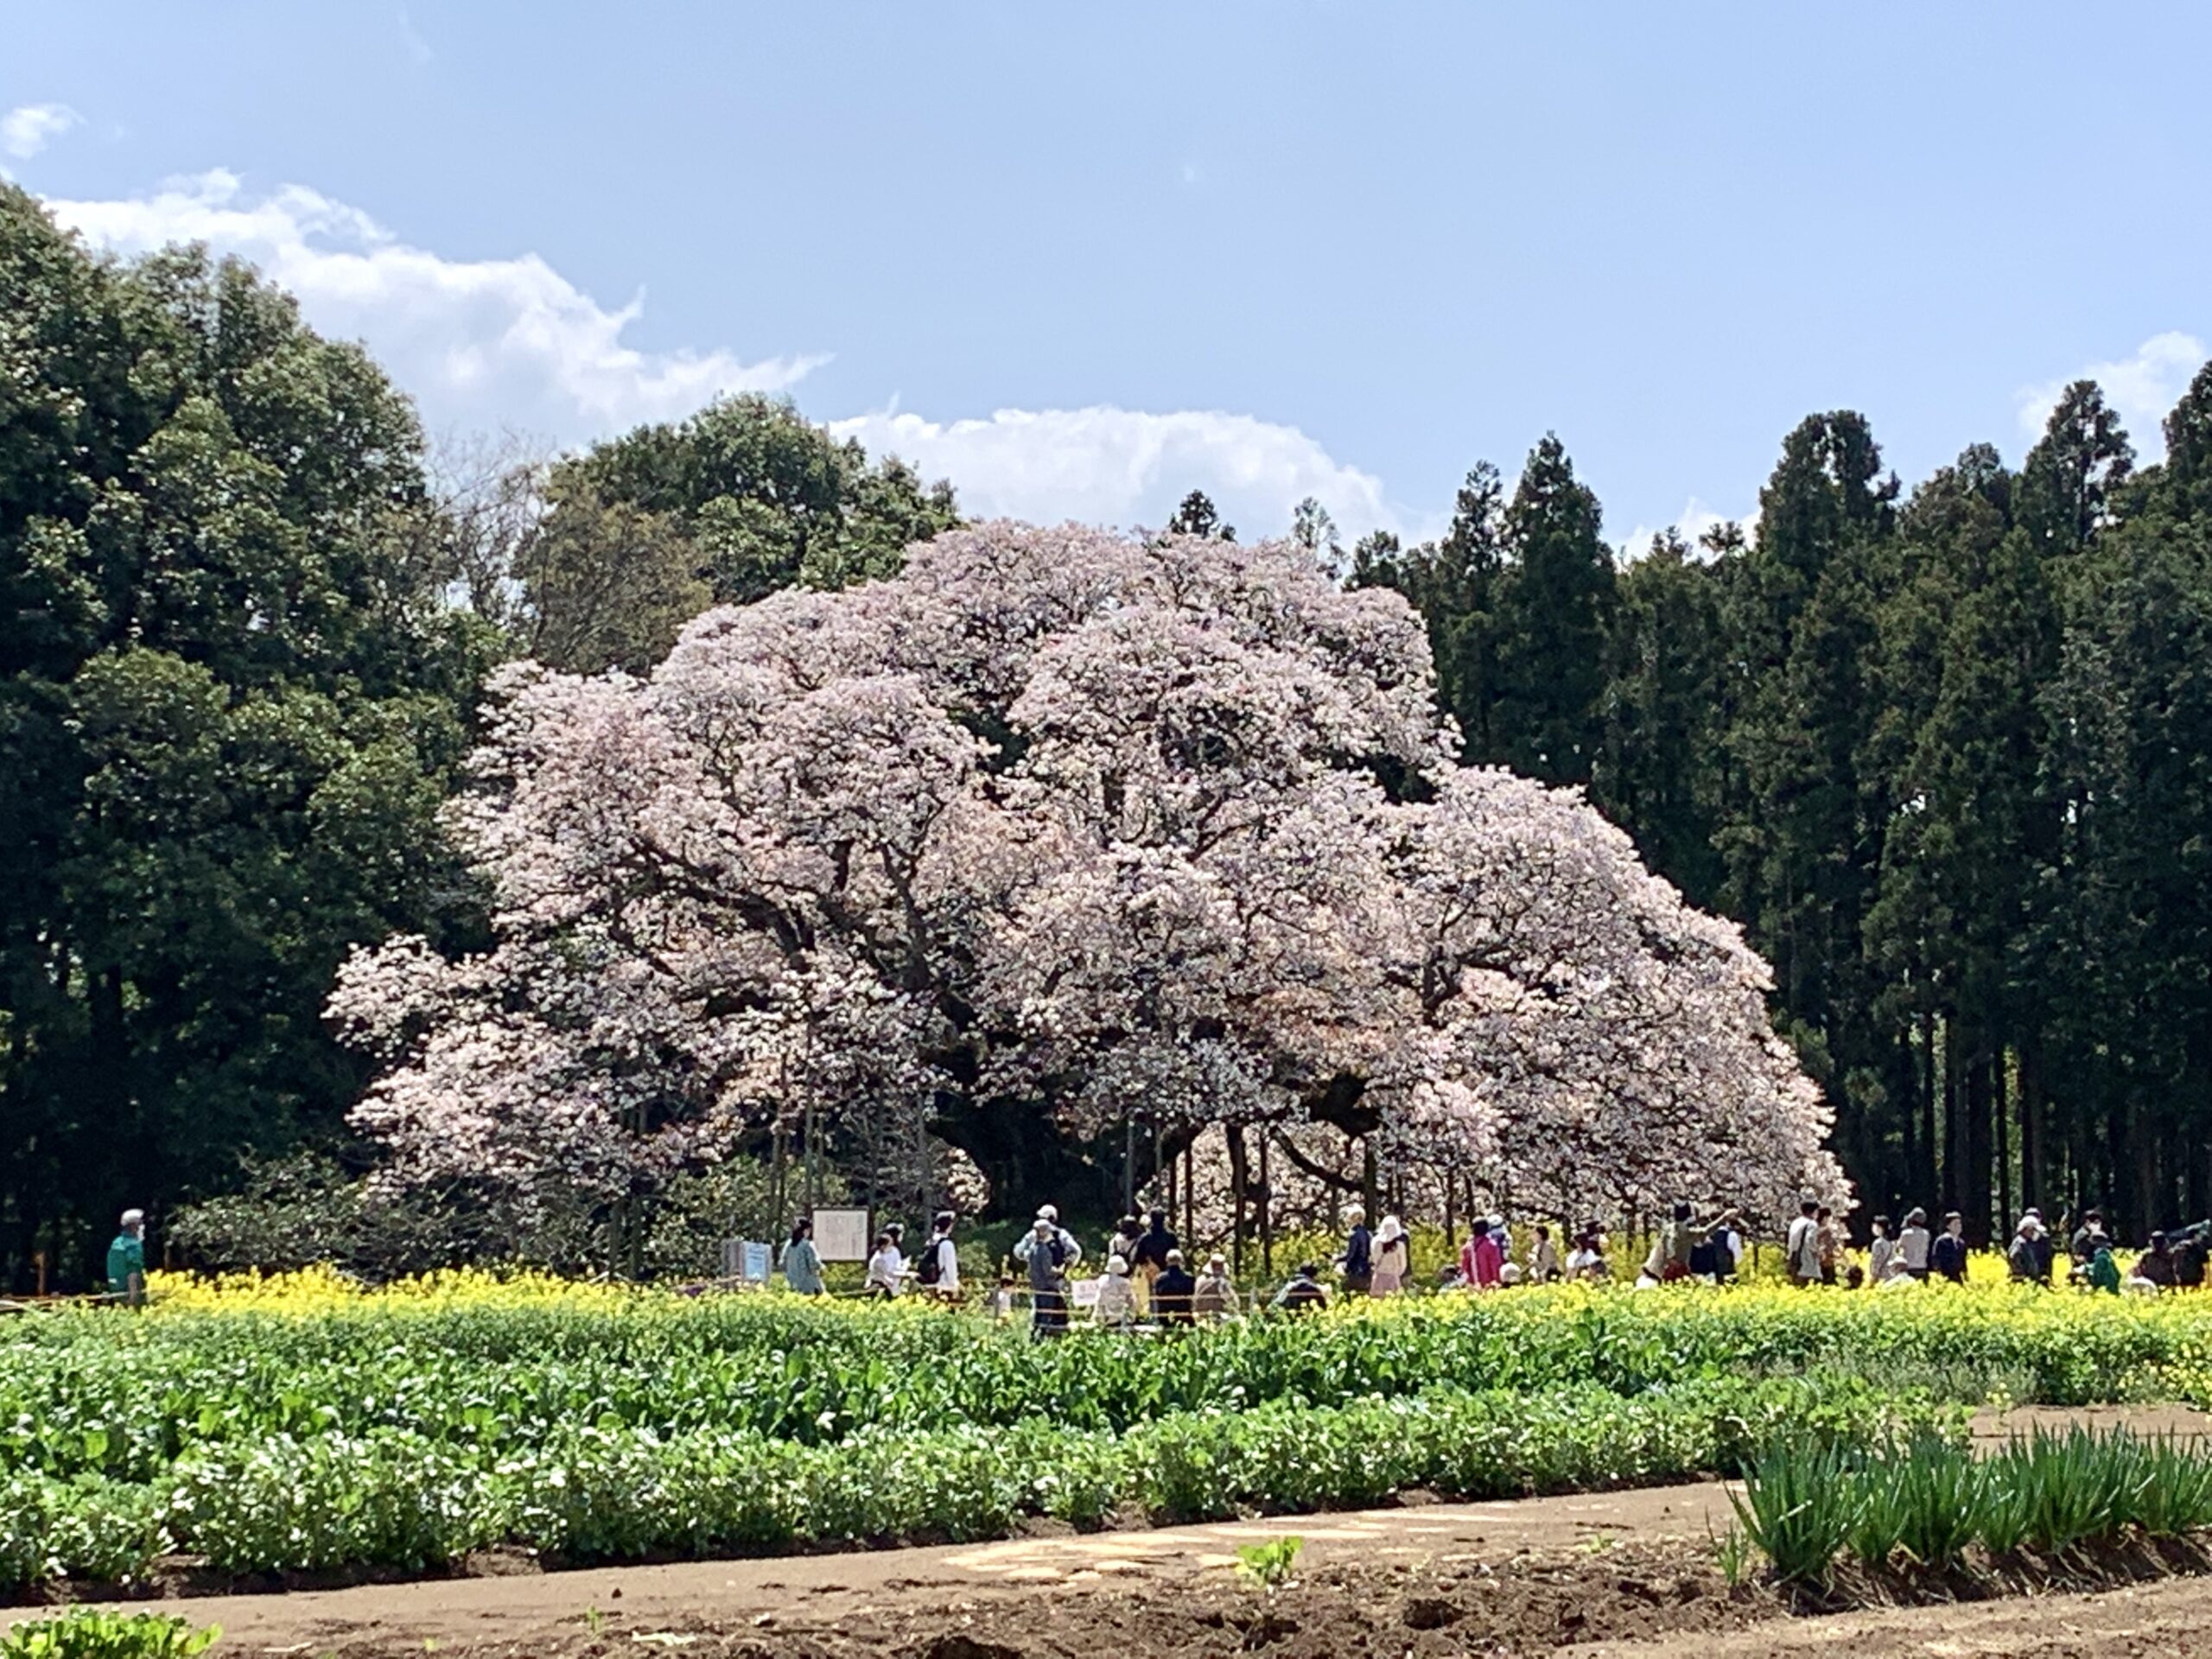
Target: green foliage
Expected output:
[1928,1497]
[1798,1504]
[1269,1565]
[303,1210]
[90,1633]
[767,500]
[1732,1553]
[230,705]
[410,1438]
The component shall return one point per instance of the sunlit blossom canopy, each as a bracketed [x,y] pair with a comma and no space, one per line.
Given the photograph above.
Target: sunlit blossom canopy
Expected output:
[1058,827]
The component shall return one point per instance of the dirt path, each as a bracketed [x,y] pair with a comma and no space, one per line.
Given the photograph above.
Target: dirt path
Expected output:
[1625,1566]
[822,1589]
[2171,1620]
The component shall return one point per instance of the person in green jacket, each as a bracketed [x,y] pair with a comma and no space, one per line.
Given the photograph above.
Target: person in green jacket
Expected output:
[126,1260]
[802,1267]
[2104,1272]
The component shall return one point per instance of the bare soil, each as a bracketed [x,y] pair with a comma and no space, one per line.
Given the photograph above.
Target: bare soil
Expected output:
[1618,1574]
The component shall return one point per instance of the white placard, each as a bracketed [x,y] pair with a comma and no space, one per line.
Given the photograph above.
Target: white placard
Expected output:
[841,1234]
[1084,1292]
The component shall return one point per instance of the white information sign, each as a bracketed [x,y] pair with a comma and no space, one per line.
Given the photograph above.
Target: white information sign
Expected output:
[841,1234]
[1084,1292]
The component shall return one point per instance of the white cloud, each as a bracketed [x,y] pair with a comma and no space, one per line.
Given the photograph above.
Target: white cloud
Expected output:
[1126,467]
[411,38]
[2144,388]
[29,128]
[479,343]
[1692,523]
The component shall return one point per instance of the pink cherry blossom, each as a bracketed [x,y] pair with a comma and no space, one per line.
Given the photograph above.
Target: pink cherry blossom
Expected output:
[1063,821]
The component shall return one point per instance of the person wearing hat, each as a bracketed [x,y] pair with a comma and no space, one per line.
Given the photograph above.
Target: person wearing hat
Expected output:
[1214,1299]
[1393,1255]
[1173,1291]
[2025,1257]
[126,1260]
[1048,1226]
[1117,1302]
[1047,1253]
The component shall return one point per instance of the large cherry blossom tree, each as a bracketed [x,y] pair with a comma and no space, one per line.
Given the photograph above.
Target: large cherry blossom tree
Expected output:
[1057,828]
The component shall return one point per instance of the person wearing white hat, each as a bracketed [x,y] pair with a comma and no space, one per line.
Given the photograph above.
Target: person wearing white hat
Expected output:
[1068,1252]
[2026,1258]
[1117,1302]
[1392,1252]
[126,1260]
[1040,1252]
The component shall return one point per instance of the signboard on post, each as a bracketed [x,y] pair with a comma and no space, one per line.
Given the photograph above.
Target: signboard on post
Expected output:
[841,1234]
[745,1261]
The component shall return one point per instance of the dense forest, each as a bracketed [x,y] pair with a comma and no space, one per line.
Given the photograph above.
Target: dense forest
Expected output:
[1946,754]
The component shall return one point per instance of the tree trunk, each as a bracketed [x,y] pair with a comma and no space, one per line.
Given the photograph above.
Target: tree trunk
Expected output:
[1955,1151]
[1267,1208]
[1239,1181]
[2001,1116]
[1979,1069]
[1029,1160]
[1933,1176]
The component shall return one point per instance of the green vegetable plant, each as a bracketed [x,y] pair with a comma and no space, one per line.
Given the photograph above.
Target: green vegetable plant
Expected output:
[1269,1565]
[91,1633]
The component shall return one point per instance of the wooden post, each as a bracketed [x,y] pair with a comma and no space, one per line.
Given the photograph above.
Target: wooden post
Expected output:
[1191,1195]
[1238,1170]
[1267,1209]
[777,1219]
[813,1162]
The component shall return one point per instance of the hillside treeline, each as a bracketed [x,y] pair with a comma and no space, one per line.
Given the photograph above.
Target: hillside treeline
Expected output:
[1947,755]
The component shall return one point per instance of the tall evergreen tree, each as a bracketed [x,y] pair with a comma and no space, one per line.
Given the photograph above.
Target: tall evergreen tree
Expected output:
[1555,607]
[1656,776]
[1197,516]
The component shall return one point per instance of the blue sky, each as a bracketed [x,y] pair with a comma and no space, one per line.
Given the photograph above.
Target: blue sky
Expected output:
[1084,258]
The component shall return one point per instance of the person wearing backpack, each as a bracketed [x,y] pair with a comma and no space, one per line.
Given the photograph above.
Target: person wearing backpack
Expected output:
[939,1270]
[1048,1253]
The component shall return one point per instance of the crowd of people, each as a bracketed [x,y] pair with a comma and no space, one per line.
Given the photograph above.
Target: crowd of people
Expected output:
[2171,1260]
[1146,1280]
